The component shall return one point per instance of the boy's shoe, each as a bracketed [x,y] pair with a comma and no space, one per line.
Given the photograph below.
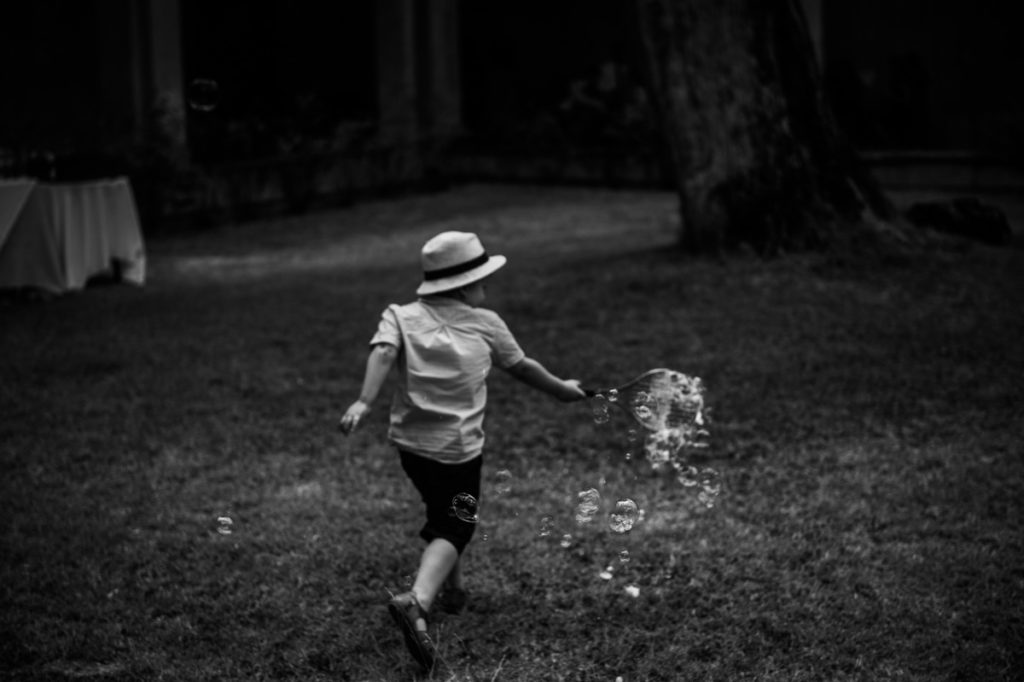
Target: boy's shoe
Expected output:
[452,600]
[411,619]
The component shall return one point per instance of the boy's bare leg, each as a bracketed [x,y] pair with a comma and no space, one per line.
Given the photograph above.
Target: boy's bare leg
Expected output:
[454,579]
[438,560]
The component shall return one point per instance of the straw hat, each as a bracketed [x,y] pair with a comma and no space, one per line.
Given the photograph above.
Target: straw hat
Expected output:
[454,259]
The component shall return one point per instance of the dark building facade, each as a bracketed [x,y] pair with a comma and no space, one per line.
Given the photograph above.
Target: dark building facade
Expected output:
[228,82]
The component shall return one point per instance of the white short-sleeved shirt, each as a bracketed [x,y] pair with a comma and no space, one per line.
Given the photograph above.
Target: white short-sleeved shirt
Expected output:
[446,349]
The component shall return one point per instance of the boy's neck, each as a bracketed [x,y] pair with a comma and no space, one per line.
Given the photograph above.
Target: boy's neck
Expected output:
[444,298]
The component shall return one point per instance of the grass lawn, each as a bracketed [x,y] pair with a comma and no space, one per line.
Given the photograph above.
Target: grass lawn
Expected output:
[867,425]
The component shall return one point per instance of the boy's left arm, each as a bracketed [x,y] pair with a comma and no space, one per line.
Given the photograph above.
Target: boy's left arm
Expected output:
[534,374]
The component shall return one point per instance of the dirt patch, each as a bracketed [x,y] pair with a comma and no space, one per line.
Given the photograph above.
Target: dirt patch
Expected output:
[520,221]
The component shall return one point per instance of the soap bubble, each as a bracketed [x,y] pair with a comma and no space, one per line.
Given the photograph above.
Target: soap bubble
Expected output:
[546,526]
[225,526]
[606,574]
[659,449]
[203,94]
[613,395]
[624,556]
[589,502]
[632,437]
[464,508]
[503,482]
[623,517]
[711,487]
[688,476]
[643,412]
[711,480]
[600,410]
[566,542]
[633,591]
[670,445]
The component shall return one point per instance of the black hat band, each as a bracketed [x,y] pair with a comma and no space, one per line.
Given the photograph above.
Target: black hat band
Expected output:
[431,275]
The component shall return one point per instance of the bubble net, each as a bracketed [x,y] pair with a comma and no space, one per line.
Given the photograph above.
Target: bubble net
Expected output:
[669,405]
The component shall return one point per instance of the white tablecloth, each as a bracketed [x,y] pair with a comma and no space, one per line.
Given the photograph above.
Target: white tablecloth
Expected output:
[56,236]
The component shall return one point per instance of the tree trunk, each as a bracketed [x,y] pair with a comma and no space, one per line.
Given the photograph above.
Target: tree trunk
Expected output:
[756,153]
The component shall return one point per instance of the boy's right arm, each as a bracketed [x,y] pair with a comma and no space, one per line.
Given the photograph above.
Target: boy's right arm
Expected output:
[378,364]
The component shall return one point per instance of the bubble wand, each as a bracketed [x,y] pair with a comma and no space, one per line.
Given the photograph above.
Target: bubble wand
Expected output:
[657,400]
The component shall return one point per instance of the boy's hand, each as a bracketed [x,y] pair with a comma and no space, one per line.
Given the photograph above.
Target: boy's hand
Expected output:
[353,416]
[573,392]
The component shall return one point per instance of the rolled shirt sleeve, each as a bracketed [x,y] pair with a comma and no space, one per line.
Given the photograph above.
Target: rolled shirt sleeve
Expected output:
[505,350]
[387,329]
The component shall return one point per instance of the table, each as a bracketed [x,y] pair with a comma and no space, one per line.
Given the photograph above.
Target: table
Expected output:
[56,236]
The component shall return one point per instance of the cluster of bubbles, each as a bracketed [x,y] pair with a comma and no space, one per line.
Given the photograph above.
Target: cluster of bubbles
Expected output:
[670,407]
[623,516]
[707,479]
[547,529]
[671,412]
[600,407]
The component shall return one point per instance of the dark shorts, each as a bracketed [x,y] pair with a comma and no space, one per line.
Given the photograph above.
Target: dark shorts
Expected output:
[439,484]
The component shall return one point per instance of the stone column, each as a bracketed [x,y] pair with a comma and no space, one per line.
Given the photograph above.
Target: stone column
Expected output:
[396,71]
[165,67]
[155,72]
[443,99]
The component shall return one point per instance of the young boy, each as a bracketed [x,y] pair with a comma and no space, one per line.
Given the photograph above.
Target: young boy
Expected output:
[444,345]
